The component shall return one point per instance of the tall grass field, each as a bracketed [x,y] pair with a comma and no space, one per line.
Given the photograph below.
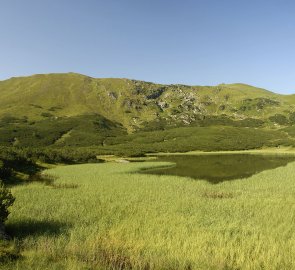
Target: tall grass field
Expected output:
[107,216]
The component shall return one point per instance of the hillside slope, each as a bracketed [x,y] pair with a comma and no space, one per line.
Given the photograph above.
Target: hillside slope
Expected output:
[133,103]
[73,109]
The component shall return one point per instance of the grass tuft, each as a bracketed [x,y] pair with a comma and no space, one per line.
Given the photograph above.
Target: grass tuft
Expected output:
[218,195]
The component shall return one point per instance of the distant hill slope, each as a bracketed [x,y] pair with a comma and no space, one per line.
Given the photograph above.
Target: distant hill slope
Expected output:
[66,108]
[132,103]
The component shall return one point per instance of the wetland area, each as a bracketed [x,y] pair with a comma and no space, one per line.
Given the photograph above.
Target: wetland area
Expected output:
[216,168]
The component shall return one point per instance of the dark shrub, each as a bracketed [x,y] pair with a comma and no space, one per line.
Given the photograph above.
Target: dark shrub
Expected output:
[46,114]
[279,119]
[292,117]
[6,200]
[4,171]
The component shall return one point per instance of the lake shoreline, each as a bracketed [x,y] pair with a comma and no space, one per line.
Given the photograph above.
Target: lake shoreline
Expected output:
[267,151]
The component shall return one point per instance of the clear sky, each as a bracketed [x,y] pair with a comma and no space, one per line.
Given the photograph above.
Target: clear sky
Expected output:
[196,42]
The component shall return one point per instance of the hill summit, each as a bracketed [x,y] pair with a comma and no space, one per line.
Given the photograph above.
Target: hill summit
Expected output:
[73,109]
[135,104]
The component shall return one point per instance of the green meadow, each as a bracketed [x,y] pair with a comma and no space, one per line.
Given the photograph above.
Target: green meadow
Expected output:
[73,211]
[108,216]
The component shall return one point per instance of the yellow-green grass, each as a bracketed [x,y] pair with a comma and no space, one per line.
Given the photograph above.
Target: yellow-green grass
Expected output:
[117,218]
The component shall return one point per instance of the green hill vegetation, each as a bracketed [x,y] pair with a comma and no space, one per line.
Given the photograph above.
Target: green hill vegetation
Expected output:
[58,110]
[135,103]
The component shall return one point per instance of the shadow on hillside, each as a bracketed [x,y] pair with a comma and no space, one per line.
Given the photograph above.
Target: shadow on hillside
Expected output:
[25,228]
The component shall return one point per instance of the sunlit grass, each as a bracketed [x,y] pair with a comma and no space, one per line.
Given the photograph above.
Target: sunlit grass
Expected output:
[116,218]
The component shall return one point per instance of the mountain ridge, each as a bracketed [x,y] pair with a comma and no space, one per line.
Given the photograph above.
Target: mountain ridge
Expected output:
[159,83]
[69,107]
[79,94]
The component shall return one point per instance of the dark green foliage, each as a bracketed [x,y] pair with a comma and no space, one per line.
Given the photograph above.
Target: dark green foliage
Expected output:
[249,122]
[83,130]
[214,120]
[169,139]
[23,158]
[6,120]
[64,155]
[156,93]
[279,119]
[222,107]
[6,200]
[20,165]
[263,102]
[5,172]
[14,159]
[258,104]
[54,108]
[196,138]
[292,118]
[46,114]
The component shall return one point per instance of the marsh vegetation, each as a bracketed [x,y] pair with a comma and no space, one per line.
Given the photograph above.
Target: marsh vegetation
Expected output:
[116,218]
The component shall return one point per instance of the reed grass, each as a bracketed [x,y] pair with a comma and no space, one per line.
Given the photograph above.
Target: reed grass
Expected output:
[117,219]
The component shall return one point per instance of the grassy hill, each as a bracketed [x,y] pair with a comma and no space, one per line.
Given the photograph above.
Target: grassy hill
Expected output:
[131,102]
[76,110]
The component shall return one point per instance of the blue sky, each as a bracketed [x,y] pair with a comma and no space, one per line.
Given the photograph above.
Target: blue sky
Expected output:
[196,42]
